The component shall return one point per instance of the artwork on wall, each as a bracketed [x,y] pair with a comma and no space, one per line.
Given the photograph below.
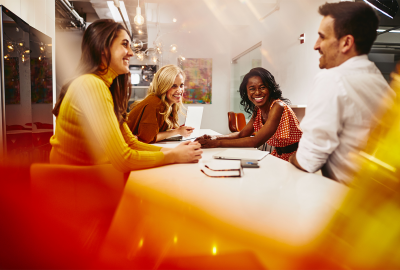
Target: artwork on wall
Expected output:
[11,81]
[198,83]
[41,81]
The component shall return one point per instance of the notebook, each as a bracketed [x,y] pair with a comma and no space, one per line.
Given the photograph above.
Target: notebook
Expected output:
[221,168]
[193,119]
[241,154]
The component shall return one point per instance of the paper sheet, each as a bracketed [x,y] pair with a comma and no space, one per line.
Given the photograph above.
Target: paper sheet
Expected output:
[193,119]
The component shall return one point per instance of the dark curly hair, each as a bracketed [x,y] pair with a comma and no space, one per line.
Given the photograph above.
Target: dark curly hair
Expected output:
[268,80]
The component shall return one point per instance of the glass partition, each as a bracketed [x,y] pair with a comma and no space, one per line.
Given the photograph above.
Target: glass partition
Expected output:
[17,112]
[26,91]
[239,68]
[41,87]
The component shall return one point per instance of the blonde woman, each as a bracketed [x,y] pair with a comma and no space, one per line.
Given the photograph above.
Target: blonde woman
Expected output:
[156,117]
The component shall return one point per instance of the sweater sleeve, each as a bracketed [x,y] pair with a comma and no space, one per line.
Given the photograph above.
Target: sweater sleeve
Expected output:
[134,143]
[148,126]
[95,102]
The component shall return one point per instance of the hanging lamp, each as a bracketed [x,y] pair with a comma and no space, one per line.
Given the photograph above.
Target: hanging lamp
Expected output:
[138,20]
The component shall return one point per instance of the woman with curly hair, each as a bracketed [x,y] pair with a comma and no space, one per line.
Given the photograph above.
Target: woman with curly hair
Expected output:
[156,117]
[272,121]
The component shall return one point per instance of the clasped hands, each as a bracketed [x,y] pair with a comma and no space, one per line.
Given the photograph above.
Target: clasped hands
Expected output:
[208,141]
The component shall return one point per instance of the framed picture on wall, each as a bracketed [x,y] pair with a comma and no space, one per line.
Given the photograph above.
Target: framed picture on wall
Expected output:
[198,82]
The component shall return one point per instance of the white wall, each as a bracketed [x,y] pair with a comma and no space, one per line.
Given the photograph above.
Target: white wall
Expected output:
[197,45]
[294,65]
[68,54]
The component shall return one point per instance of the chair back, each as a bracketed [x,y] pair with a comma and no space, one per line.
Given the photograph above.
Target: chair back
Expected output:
[240,121]
[236,121]
[82,199]
[232,122]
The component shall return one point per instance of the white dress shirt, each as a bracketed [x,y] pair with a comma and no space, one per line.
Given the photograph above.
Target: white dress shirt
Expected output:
[342,109]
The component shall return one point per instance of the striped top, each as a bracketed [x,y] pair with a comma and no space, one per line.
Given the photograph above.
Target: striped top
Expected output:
[88,132]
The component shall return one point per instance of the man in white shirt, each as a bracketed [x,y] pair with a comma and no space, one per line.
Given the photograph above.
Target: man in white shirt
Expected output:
[346,96]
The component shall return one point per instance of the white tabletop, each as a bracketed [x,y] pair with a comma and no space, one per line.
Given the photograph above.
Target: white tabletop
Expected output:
[275,203]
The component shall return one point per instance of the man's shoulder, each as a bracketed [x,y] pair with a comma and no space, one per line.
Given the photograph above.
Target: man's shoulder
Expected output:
[360,65]
[357,68]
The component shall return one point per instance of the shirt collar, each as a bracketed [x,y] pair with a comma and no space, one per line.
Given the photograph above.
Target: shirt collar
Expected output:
[354,59]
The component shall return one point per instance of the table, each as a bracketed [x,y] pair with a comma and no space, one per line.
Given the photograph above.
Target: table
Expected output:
[175,213]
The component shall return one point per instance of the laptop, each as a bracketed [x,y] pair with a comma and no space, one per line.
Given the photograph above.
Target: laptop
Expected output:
[241,154]
[193,119]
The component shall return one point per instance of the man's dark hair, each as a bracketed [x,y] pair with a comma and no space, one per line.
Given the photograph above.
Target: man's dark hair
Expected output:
[357,19]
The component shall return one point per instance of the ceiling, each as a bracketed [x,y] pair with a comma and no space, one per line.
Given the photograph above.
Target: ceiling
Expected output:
[159,14]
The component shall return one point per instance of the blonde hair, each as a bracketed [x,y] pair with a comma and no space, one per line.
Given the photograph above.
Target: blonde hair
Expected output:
[162,82]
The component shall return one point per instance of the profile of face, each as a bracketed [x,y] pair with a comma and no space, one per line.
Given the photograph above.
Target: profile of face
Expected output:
[257,92]
[327,44]
[175,94]
[121,52]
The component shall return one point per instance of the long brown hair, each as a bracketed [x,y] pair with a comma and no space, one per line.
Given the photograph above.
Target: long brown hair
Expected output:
[96,43]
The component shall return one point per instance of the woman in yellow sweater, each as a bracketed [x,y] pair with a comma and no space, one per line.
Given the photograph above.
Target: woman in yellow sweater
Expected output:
[156,117]
[91,110]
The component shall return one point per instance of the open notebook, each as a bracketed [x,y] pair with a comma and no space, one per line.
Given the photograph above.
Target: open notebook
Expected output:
[194,115]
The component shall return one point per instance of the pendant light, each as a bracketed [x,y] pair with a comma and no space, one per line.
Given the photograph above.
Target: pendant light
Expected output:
[138,20]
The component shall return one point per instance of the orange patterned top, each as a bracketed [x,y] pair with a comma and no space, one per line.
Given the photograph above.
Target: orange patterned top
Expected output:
[287,133]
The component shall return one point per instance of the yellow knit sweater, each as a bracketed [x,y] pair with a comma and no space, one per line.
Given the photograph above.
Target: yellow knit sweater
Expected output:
[88,133]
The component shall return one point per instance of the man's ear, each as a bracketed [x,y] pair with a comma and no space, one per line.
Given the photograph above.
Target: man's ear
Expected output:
[347,44]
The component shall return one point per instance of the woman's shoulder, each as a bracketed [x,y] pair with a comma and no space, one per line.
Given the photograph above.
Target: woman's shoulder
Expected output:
[148,103]
[87,80]
[89,84]
[278,106]
[277,103]
[152,101]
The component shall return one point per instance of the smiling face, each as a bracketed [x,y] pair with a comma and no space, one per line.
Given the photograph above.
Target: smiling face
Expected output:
[121,52]
[257,92]
[174,95]
[327,44]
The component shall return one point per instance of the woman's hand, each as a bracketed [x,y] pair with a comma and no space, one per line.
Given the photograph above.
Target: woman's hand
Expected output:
[206,137]
[208,143]
[185,131]
[185,152]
